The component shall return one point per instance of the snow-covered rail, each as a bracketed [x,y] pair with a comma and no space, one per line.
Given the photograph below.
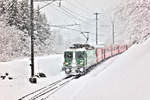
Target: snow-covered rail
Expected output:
[44,92]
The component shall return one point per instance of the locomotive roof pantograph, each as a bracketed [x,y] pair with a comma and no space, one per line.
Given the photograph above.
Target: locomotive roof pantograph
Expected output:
[86,46]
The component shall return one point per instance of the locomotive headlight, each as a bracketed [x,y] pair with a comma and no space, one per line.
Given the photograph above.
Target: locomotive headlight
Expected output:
[81,63]
[67,70]
[66,63]
[81,69]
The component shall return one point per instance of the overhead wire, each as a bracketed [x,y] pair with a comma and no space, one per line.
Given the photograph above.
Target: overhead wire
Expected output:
[70,29]
[80,8]
[72,15]
[63,26]
[66,27]
[46,5]
[69,25]
[76,12]
[56,8]
[82,5]
[68,13]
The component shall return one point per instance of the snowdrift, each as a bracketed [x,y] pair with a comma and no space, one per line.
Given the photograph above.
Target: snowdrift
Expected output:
[124,77]
[20,70]
[127,77]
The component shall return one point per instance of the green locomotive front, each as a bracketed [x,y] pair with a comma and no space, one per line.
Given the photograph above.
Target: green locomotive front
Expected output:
[77,60]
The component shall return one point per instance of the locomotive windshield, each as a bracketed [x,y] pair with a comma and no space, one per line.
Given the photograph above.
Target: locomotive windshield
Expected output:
[79,54]
[68,55]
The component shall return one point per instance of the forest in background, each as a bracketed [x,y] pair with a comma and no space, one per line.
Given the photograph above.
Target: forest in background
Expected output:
[15,27]
[131,18]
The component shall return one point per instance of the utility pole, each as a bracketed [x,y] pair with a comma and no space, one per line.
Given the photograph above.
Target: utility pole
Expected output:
[113,32]
[96,14]
[32,79]
[60,3]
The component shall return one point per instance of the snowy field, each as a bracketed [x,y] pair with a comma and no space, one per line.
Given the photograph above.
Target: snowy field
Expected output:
[124,77]
[19,70]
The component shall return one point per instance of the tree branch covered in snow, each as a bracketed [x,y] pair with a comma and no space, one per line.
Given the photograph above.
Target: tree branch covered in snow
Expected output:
[14,31]
[14,43]
[134,16]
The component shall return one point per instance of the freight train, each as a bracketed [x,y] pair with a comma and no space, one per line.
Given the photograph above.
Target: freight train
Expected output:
[79,58]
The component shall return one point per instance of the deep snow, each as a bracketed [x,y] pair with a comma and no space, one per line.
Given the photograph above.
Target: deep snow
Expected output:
[20,71]
[124,77]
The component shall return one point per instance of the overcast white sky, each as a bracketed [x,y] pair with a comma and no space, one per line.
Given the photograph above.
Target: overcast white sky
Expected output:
[99,4]
[83,10]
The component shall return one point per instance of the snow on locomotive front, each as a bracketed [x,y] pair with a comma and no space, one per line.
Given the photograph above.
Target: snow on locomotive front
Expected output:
[78,59]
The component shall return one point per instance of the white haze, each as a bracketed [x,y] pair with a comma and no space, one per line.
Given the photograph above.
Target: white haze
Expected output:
[86,9]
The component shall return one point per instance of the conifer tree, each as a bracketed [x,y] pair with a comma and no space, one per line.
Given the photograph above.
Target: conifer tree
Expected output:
[12,12]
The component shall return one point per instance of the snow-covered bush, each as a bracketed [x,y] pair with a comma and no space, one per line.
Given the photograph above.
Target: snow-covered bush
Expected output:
[13,42]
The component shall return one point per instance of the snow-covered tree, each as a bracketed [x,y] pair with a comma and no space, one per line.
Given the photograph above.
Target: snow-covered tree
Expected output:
[15,27]
[13,42]
[59,45]
[23,16]
[134,18]
[12,12]
[2,7]
[42,34]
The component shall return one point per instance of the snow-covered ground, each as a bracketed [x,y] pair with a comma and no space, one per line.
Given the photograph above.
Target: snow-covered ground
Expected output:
[124,77]
[20,70]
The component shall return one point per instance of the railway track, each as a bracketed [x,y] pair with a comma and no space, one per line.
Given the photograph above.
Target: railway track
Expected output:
[44,92]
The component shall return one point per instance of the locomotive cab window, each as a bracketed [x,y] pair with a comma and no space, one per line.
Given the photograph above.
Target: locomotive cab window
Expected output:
[80,54]
[68,55]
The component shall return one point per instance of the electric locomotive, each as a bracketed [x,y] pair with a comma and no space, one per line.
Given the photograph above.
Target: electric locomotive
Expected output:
[79,58]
